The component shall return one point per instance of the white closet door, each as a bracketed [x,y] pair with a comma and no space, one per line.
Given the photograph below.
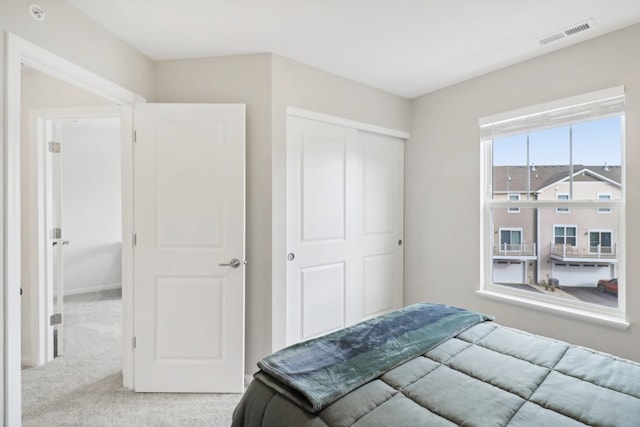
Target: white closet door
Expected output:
[344,222]
[381,226]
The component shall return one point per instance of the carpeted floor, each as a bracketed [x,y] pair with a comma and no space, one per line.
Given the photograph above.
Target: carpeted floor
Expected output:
[84,387]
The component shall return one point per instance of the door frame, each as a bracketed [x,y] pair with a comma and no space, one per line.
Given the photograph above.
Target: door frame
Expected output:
[40,309]
[18,52]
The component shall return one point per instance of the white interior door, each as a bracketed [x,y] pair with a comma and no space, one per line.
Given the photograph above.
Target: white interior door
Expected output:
[189,198]
[344,226]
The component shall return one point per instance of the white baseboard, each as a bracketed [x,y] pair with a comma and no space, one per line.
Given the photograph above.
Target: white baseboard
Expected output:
[26,361]
[89,289]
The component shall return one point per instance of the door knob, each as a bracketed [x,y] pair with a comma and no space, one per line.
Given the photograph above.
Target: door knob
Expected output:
[234,263]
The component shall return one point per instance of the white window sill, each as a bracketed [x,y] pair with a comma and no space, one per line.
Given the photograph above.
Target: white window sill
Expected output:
[574,312]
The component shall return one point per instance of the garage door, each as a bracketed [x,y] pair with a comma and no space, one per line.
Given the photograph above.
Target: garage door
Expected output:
[580,274]
[508,272]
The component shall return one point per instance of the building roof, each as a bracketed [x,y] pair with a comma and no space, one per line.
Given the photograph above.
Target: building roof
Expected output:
[514,178]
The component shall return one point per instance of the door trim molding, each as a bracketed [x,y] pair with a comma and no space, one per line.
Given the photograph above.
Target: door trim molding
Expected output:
[18,52]
[334,120]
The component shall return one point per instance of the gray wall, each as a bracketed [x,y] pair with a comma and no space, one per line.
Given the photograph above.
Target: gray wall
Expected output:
[442,167]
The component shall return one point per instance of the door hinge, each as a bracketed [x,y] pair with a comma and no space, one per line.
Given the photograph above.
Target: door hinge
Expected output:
[56,233]
[133,342]
[54,147]
[135,240]
[135,136]
[55,319]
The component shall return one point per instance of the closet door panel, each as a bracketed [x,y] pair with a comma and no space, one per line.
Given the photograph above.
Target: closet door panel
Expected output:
[344,222]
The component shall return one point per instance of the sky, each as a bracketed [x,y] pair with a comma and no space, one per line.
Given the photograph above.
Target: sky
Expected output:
[594,143]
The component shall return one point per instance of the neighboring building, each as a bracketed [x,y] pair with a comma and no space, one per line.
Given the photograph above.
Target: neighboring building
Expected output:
[576,246]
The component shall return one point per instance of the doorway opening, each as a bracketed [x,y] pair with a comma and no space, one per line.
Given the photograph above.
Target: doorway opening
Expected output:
[21,53]
[71,199]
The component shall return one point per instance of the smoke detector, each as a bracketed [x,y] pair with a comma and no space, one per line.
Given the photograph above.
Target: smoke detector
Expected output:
[36,12]
[567,32]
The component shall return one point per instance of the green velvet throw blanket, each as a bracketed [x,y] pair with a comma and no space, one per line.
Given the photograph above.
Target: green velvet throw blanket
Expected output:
[317,372]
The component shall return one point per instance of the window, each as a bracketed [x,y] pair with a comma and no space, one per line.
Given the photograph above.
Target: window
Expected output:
[513,198]
[562,196]
[604,196]
[600,242]
[564,235]
[510,240]
[560,167]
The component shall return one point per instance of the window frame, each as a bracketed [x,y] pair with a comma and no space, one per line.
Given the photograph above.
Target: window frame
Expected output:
[610,316]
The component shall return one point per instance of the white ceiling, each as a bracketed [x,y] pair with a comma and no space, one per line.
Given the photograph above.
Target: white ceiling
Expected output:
[406,47]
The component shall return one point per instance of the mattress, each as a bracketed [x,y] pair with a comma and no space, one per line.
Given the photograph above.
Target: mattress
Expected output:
[478,373]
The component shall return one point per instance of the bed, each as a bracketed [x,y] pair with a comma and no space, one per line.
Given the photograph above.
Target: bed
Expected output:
[437,365]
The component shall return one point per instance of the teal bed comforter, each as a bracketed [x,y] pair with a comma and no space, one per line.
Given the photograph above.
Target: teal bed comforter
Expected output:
[434,365]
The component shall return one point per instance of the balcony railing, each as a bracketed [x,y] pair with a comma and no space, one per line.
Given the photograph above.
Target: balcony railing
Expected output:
[592,252]
[519,249]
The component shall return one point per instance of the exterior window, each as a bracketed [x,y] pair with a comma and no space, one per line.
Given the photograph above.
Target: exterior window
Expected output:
[600,242]
[559,166]
[513,198]
[510,240]
[564,235]
[604,196]
[562,196]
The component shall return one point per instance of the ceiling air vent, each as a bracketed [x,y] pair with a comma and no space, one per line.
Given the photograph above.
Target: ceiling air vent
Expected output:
[561,34]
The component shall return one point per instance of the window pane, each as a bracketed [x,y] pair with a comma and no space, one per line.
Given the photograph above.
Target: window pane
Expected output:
[549,147]
[509,161]
[597,149]
[540,248]
[586,153]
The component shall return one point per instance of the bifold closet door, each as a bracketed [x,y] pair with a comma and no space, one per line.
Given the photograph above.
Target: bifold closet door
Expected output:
[344,226]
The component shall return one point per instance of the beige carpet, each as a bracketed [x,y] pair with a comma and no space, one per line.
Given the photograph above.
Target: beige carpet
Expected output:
[84,387]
